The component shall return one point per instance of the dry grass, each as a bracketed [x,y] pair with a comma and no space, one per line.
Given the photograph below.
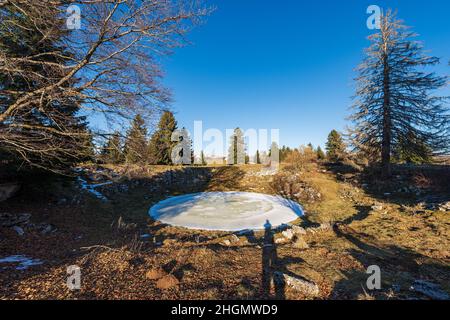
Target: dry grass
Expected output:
[406,246]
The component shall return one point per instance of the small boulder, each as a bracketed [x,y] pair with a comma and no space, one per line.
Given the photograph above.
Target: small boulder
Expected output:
[288,234]
[167,282]
[19,230]
[298,230]
[377,207]
[155,274]
[301,285]
[300,243]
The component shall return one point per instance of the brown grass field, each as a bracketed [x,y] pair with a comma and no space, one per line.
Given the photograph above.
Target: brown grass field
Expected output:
[406,236]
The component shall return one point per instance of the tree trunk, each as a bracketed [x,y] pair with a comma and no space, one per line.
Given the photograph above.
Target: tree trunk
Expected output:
[386,143]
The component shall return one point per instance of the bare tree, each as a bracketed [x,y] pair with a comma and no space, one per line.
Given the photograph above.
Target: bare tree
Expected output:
[393,99]
[109,66]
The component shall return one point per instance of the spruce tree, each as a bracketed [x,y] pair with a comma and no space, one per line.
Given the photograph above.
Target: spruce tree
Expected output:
[112,151]
[320,153]
[335,146]
[47,133]
[135,148]
[393,96]
[412,150]
[202,159]
[258,157]
[236,151]
[161,144]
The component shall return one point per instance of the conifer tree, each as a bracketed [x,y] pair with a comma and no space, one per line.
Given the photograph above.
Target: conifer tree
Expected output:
[258,157]
[236,151]
[135,148]
[320,153]
[112,151]
[335,146]
[161,144]
[393,97]
[202,159]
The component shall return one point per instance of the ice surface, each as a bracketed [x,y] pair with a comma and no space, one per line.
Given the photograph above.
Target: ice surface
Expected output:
[22,261]
[226,211]
[91,188]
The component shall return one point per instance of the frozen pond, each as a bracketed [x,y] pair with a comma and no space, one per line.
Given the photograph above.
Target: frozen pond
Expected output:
[226,211]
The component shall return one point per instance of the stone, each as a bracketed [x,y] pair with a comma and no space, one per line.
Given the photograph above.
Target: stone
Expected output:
[298,230]
[234,238]
[377,207]
[155,274]
[167,282]
[226,242]
[9,220]
[429,289]
[300,243]
[288,234]
[301,285]
[8,190]
[19,230]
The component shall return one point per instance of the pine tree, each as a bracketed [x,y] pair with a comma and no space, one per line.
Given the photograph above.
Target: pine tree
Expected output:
[161,144]
[202,159]
[412,150]
[320,153]
[258,157]
[48,133]
[135,148]
[236,151]
[335,146]
[393,96]
[112,151]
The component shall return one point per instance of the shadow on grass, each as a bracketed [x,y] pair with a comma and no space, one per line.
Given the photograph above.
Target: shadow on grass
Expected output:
[399,266]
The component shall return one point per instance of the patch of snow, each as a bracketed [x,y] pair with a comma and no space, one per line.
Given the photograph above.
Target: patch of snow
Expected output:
[91,188]
[226,211]
[22,261]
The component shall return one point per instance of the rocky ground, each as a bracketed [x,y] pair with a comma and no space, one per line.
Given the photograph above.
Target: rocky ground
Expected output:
[100,223]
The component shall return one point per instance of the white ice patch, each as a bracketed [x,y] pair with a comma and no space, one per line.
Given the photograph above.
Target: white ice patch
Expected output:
[226,211]
[22,262]
[91,188]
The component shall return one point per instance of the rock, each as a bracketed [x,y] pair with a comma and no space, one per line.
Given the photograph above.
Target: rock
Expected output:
[155,274]
[326,226]
[8,190]
[300,243]
[298,230]
[167,282]
[429,289]
[377,207]
[288,234]
[234,238]
[19,230]
[280,240]
[9,220]
[303,286]
[226,242]
[45,228]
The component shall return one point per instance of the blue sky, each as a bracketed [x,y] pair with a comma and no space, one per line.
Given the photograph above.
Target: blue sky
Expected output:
[286,64]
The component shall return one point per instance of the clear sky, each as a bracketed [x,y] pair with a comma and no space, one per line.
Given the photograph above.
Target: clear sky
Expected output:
[286,64]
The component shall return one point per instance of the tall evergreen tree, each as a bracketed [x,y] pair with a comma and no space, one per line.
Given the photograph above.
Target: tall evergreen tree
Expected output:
[112,151]
[335,146]
[47,132]
[412,150]
[320,153]
[202,159]
[258,157]
[236,151]
[393,95]
[161,144]
[135,148]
